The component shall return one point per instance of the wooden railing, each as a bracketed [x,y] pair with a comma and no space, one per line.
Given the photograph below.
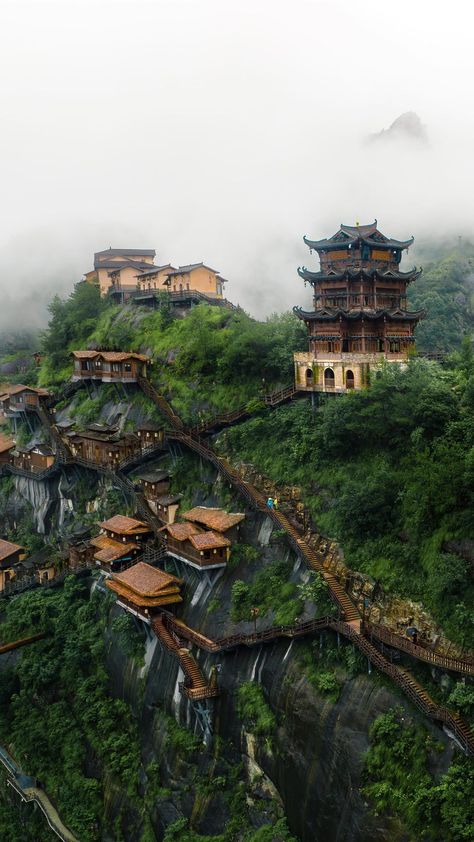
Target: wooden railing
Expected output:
[416,650]
[226,419]
[160,402]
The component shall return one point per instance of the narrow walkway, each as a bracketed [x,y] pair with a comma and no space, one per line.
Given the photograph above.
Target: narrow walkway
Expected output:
[28,790]
[227,419]
[415,692]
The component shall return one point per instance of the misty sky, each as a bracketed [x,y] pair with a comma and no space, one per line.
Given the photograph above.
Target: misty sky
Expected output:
[223,132]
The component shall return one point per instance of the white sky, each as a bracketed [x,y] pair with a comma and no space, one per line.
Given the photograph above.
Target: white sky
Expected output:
[223,132]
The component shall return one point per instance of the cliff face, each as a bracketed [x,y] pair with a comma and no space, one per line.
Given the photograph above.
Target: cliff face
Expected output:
[313,768]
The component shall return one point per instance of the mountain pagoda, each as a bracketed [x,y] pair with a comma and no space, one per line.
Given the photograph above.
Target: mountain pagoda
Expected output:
[360,317]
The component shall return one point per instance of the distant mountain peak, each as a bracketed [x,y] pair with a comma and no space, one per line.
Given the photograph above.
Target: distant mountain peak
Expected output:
[407,126]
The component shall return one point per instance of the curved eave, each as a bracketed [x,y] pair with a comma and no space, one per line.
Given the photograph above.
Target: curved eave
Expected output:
[349,274]
[329,244]
[328,315]
[325,245]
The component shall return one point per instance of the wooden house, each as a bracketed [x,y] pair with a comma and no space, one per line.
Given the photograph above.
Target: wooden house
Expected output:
[123,528]
[20,398]
[201,549]
[154,483]
[103,445]
[166,506]
[217,520]
[142,589]
[81,553]
[109,366]
[120,540]
[10,557]
[36,458]
[6,446]
[111,554]
[150,434]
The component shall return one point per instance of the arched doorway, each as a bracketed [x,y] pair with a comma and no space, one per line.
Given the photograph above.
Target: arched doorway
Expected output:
[349,379]
[309,376]
[328,378]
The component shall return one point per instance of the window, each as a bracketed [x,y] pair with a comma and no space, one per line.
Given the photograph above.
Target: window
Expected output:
[127,366]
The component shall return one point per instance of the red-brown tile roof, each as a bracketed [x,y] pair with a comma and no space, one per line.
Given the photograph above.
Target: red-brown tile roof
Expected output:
[125,525]
[181,531]
[208,541]
[109,356]
[15,390]
[110,550]
[216,519]
[85,355]
[146,580]
[166,597]
[7,548]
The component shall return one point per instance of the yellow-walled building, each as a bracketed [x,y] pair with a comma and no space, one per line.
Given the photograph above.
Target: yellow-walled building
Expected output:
[199,277]
[119,267]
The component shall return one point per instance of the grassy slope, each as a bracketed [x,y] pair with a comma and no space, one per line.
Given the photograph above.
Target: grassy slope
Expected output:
[389,474]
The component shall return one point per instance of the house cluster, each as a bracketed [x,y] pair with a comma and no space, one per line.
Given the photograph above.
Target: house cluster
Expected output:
[124,273]
[16,566]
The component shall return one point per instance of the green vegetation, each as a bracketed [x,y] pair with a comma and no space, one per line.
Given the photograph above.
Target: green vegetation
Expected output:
[56,713]
[269,590]
[211,361]
[399,782]
[254,711]
[275,832]
[327,664]
[445,291]
[71,323]
[389,473]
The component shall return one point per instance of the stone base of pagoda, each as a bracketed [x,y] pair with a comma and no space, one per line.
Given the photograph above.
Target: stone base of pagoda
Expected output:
[340,373]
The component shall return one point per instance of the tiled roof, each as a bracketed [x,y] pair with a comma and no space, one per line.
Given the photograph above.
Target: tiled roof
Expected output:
[208,540]
[124,525]
[110,550]
[146,580]
[7,548]
[108,356]
[126,252]
[153,476]
[15,390]
[154,269]
[166,597]
[190,268]
[84,355]
[168,499]
[216,519]
[120,356]
[181,531]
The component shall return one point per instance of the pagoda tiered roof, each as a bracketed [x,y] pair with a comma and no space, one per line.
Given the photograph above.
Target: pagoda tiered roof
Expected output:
[367,274]
[349,235]
[332,314]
